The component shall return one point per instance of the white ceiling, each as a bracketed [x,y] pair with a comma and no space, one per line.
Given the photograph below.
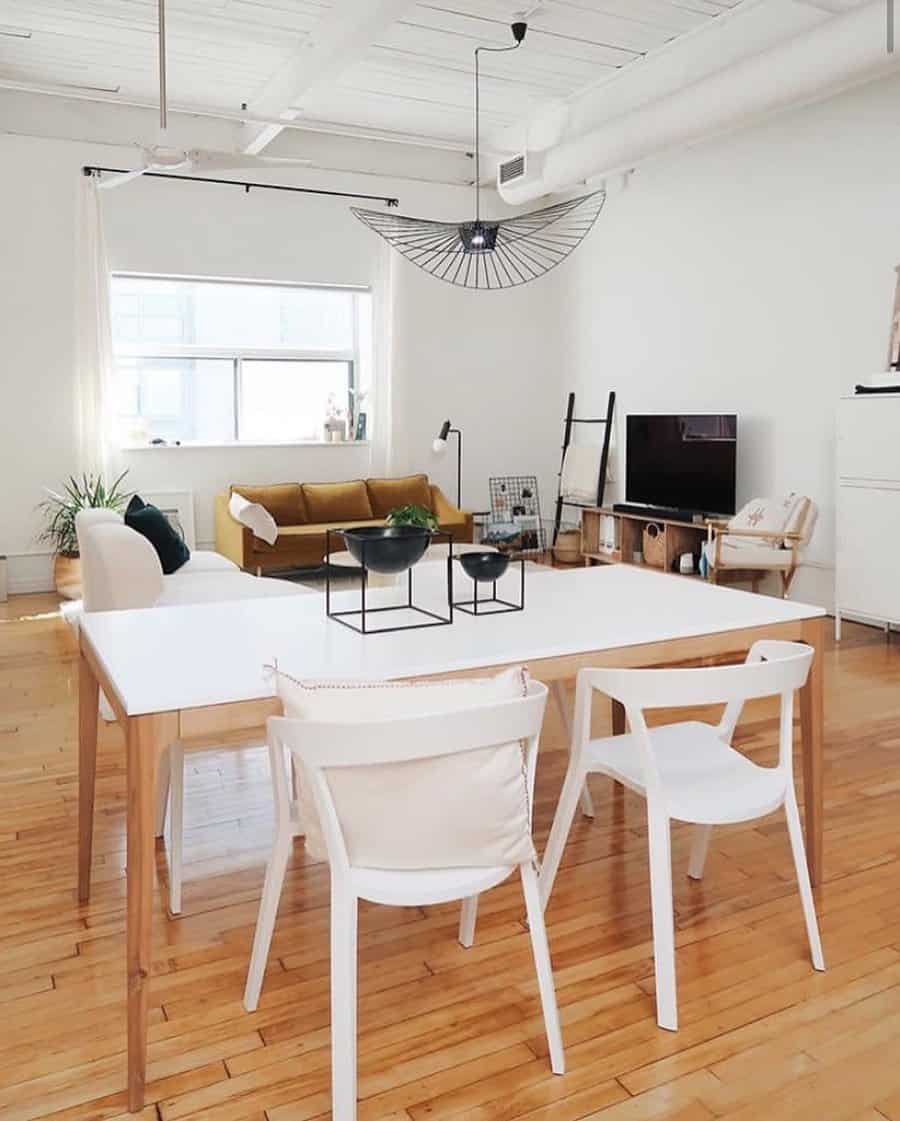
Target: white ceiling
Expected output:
[399,67]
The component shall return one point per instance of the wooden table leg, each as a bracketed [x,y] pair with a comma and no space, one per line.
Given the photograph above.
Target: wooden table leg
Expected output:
[148,737]
[812,723]
[88,701]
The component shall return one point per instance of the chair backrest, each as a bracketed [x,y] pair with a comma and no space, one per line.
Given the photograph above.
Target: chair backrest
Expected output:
[120,568]
[483,814]
[772,668]
[808,523]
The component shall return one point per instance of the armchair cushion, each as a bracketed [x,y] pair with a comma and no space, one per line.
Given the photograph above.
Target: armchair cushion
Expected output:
[470,809]
[337,502]
[751,553]
[387,494]
[284,501]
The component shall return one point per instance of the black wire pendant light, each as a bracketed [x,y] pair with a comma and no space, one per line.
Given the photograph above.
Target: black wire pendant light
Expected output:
[490,254]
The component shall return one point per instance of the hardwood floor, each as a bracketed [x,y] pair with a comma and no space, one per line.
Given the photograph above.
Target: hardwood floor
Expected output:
[448,1034]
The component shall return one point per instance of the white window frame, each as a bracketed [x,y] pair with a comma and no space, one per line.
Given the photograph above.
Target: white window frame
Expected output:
[239,355]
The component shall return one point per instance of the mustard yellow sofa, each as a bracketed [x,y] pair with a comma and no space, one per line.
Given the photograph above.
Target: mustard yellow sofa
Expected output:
[304,512]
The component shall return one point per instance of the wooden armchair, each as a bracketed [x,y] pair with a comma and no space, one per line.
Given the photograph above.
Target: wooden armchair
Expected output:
[752,543]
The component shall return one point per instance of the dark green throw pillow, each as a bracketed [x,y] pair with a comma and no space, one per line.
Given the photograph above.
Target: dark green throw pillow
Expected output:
[156,527]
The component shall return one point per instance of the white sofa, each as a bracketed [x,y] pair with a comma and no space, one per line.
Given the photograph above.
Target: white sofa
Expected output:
[120,571]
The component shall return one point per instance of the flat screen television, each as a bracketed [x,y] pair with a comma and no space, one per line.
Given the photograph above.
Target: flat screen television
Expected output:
[683,462]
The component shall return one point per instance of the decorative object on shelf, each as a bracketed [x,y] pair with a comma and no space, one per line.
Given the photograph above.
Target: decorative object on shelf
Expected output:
[515,501]
[488,568]
[412,515]
[567,549]
[59,508]
[439,447]
[361,421]
[655,545]
[388,550]
[686,564]
[335,422]
[484,254]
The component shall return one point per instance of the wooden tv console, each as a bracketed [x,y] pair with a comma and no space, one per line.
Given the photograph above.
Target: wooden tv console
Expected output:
[671,540]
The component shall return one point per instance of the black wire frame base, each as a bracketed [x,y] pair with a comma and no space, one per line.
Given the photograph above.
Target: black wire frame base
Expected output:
[364,612]
[493,604]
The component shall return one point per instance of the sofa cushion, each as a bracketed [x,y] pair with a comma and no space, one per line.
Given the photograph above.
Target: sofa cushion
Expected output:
[153,524]
[337,502]
[284,501]
[387,494]
[206,560]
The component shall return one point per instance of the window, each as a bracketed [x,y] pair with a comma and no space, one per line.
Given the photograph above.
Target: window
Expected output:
[224,362]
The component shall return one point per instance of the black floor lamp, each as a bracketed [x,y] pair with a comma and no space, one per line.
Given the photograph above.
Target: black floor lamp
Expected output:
[440,447]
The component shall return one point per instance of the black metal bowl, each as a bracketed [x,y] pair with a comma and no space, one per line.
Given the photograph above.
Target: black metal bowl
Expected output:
[387,548]
[484,567]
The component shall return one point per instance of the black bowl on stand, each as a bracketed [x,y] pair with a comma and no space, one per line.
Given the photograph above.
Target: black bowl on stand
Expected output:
[387,548]
[484,567]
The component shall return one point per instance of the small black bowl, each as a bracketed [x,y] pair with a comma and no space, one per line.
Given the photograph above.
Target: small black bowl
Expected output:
[387,548]
[484,567]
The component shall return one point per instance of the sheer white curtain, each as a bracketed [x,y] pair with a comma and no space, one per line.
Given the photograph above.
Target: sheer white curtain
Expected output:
[383,397]
[93,331]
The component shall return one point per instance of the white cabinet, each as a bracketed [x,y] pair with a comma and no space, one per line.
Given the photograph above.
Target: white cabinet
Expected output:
[867,554]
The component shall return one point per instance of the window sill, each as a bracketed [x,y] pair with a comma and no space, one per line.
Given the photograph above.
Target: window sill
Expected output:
[242,446]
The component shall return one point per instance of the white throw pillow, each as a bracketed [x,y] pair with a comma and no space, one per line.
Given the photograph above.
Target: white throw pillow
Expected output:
[761,514]
[255,517]
[470,809]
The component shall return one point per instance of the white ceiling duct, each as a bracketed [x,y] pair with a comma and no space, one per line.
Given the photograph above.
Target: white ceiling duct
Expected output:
[843,51]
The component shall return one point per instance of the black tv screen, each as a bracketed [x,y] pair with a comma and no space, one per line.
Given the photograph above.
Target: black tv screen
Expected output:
[683,461]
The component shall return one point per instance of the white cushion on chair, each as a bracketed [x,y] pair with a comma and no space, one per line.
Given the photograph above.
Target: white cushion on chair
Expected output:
[768,515]
[464,810]
[745,553]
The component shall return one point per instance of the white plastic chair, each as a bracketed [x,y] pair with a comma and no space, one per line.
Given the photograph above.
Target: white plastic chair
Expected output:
[688,772]
[324,746]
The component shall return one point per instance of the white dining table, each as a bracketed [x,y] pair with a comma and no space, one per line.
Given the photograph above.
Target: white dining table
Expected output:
[196,674]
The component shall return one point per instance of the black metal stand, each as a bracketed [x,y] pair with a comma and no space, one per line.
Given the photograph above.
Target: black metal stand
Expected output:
[363,615]
[493,604]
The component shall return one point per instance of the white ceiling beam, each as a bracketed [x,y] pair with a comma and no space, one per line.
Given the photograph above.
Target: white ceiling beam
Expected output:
[341,38]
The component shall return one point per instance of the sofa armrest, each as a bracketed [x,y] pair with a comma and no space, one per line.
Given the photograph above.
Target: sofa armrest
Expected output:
[233,540]
[450,516]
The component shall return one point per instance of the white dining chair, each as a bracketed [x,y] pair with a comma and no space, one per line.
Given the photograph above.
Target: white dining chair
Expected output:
[688,772]
[325,748]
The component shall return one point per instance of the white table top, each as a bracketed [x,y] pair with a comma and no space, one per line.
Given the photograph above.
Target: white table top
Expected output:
[168,658]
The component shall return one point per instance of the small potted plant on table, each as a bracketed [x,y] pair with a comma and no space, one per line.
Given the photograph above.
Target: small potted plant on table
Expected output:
[60,508]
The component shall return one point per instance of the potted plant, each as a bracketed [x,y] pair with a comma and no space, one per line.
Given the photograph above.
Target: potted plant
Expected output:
[59,510]
[418,516]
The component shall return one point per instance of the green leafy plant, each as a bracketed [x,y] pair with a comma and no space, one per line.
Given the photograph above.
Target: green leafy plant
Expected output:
[60,508]
[412,515]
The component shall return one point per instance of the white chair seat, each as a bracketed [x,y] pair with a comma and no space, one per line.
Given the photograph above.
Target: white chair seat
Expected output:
[219,587]
[205,560]
[704,780]
[407,889]
[747,554]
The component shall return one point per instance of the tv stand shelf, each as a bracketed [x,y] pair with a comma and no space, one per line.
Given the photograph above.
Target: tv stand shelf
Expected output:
[667,539]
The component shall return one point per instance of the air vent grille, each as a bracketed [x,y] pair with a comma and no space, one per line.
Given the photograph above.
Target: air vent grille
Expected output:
[511,169]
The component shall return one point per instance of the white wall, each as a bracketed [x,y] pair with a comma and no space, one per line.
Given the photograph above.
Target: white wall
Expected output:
[755,275]
[458,354]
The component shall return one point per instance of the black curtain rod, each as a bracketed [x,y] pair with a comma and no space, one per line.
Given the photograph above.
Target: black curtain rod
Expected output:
[90,169]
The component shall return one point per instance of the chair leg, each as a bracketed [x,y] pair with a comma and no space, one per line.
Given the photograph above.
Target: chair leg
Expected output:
[467,916]
[265,922]
[176,826]
[343,1003]
[559,832]
[558,689]
[162,793]
[806,896]
[699,849]
[660,848]
[541,951]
